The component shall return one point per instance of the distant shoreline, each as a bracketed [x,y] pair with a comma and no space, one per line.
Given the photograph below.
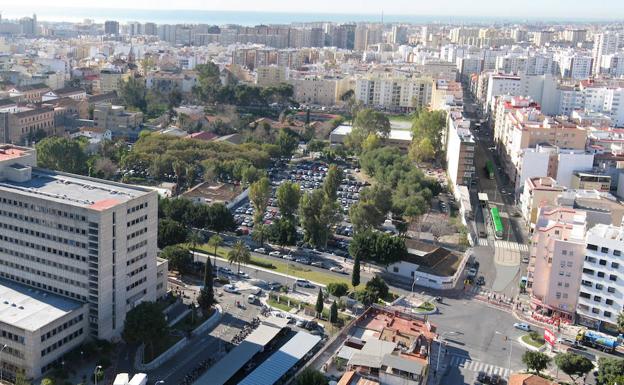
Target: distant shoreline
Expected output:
[249,18]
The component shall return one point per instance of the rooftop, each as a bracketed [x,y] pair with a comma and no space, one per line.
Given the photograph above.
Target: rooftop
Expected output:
[395,134]
[74,190]
[31,309]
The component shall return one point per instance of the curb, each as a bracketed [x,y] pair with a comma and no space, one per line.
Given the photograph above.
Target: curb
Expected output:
[530,347]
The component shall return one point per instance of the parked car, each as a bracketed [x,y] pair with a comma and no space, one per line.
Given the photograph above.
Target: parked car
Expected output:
[318,264]
[275,285]
[242,274]
[305,261]
[472,272]
[304,283]
[288,257]
[522,326]
[336,269]
[229,288]
[260,250]
[480,280]
[275,254]
[483,377]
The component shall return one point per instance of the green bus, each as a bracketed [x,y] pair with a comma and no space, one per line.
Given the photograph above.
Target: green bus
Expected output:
[496,223]
[489,168]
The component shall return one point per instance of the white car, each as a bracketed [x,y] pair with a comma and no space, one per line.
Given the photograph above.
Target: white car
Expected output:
[275,254]
[288,257]
[230,289]
[242,274]
[338,270]
[303,283]
[522,326]
[260,250]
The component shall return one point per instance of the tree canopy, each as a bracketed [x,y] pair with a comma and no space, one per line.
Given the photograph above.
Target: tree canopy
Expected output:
[377,246]
[61,154]
[535,361]
[145,324]
[179,258]
[317,214]
[574,365]
[310,376]
[288,195]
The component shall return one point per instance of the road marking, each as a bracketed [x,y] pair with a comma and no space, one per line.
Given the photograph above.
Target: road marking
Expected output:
[514,246]
[483,242]
[478,366]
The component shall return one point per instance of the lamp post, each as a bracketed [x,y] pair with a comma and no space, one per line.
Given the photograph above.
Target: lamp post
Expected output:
[1,364]
[440,337]
[510,349]
[95,373]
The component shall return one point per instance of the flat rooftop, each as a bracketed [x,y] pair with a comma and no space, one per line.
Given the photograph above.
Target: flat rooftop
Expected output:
[30,309]
[395,134]
[75,190]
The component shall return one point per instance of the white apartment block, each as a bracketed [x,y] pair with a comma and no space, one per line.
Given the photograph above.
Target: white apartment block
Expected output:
[271,75]
[394,92]
[80,252]
[604,44]
[460,148]
[315,90]
[575,66]
[601,295]
[613,65]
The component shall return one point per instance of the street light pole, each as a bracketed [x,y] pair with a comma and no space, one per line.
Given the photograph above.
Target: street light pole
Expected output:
[95,373]
[2,365]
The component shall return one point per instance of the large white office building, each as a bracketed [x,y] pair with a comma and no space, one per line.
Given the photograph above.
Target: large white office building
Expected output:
[77,253]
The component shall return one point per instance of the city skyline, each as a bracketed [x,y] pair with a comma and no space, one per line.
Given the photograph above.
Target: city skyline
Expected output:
[483,9]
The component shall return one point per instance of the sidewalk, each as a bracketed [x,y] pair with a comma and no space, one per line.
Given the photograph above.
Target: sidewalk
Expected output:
[435,377]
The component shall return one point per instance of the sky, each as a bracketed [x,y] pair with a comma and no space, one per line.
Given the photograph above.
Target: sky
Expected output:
[559,9]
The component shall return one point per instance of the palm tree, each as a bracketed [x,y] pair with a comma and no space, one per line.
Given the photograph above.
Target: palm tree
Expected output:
[215,241]
[620,322]
[259,233]
[194,239]
[239,254]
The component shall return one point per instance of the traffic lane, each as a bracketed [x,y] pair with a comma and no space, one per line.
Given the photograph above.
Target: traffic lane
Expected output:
[478,331]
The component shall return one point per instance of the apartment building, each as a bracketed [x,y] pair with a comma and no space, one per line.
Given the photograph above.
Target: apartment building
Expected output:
[116,119]
[460,149]
[556,261]
[29,93]
[601,295]
[538,191]
[599,207]
[445,93]
[317,90]
[78,252]
[394,92]
[604,44]
[271,75]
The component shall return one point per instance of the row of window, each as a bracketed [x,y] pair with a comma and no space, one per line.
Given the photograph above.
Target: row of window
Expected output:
[599,274]
[137,233]
[43,273]
[43,286]
[596,298]
[14,352]
[44,209]
[39,247]
[13,337]
[137,271]
[604,250]
[138,220]
[136,259]
[62,327]
[137,246]
[42,261]
[135,284]
[62,342]
[601,262]
[137,208]
[47,236]
[43,222]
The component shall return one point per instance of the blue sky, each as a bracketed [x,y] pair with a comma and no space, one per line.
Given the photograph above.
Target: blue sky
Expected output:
[560,9]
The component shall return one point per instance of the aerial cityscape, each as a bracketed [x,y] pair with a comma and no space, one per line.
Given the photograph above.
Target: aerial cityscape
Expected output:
[331,193]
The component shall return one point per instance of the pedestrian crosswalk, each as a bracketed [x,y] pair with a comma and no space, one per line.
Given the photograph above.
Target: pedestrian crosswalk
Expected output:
[478,366]
[483,242]
[511,246]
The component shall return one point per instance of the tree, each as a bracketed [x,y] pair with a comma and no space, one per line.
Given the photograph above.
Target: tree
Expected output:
[47,381]
[620,322]
[332,182]
[145,324]
[239,254]
[61,154]
[287,142]
[536,361]
[376,246]
[317,214]
[371,121]
[170,233]
[333,313]
[259,195]
[355,275]
[20,378]
[377,289]
[310,376]
[133,93]
[220,218]
[206,294]
[260,232]
[371,142]
[283,232]
[337,289]
[179,258]
[574,365]
[288,196]
[319,303]
[610,371]
[429,124]
[194,239]
[422,150]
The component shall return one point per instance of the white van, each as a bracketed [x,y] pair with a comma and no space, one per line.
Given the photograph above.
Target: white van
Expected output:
[252,298]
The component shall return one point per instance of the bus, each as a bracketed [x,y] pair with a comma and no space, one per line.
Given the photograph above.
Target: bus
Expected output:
[497,224]
[489,168]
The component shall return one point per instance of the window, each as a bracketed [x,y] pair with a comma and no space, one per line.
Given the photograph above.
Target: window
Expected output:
[609,301]
[597,298]
[588,271]
[613,277]
[607,313]
[592,247]
[395,269]
[603,262]
[617,253]
[595,310]
[604,250]
[599,286]
[600,274]
[611,289]
[615,265]
[584,295]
